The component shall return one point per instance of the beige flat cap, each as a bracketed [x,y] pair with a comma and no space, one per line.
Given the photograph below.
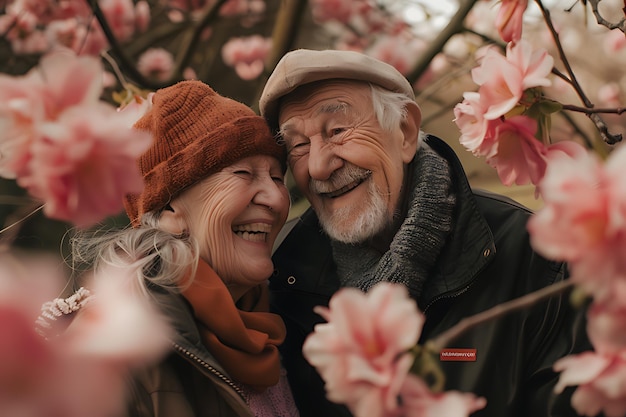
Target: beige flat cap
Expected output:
[304,66]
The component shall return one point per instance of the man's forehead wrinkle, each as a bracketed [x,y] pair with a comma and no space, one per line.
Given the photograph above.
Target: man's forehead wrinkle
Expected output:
[328,108]
[331,108]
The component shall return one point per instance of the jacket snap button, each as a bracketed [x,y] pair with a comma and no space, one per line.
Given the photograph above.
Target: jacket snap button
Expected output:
[291,280]
[487,252]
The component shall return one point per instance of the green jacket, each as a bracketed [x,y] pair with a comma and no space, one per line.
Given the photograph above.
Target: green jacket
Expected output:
[188,382]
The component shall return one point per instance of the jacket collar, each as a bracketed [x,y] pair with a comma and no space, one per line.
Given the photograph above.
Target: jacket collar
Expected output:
[306,251]
[470,246]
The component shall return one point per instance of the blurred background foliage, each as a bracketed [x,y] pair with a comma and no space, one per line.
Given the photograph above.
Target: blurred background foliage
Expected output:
[433,41]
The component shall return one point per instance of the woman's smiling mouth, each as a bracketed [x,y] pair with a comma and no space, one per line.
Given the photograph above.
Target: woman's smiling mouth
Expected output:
[254,232]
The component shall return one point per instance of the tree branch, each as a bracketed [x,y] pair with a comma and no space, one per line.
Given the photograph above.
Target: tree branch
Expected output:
[444,339]
[125,63]
[621,25]
[436,46]
[597,120]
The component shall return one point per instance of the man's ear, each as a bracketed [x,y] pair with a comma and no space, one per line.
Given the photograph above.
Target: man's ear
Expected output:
[411,130]
[172,220]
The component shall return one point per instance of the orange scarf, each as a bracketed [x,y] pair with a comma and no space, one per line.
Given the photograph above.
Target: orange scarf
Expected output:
[246,342]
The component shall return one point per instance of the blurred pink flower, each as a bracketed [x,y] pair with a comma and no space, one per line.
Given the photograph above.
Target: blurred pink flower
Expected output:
[118,325]
[418,401]
[156,63]
[510,18]
[242,7]
[142,15]
[583,219]
[135,109]
[400,52]
[361,353]
[120,15]
[600,381]
[606,327]
[614,41]
[20,112]
[65,146]
[45,373]
[26,356]
[67,80]
[85,164]
[29,100]
[339,10]
[247,55]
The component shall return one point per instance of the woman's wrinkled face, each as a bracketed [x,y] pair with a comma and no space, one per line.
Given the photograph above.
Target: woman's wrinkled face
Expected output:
[348,167]
[235,215]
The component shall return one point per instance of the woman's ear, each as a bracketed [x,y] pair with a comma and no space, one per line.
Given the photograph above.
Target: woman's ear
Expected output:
[172,220]
[411,130]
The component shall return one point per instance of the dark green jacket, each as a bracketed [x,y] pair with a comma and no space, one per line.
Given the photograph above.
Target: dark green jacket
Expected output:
[487,260]
[188,382]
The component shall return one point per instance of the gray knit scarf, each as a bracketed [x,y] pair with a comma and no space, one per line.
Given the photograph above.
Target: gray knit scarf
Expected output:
[419,240]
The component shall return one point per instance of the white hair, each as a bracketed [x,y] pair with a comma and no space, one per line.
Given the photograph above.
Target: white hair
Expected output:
[390,108]
[159,258]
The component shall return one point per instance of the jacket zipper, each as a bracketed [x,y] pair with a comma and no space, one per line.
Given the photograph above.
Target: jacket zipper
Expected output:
[211,369]
[448,295]
[455,293]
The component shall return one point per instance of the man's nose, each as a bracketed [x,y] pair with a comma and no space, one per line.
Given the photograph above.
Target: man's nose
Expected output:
[323,160]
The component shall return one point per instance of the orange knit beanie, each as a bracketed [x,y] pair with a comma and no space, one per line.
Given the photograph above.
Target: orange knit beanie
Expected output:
[196,133]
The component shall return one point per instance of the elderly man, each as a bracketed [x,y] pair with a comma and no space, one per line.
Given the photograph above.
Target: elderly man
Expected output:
[389,203]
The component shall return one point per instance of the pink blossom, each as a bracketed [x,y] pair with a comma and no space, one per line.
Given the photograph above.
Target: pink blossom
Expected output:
[25,354]
[247,55]
[520,156]
[85,163]
[583,221]
[606,327]
[67,80]
[510,18]
[575,215]
[500,84]
[120,15]
[20,112]
[118,325]
[136,108]
[47,371]
[361,353]
[397,51]
[339,10]
[477,133]
[156,63]
[242,7]
[614,41]
[601,381]
[534,64]
[142,15]
[503,80]
[418,401]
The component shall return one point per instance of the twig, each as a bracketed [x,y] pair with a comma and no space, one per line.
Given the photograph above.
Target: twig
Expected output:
[525,301]
[454,26]
[616,110]
[123,60]
[621,25]
[597,120]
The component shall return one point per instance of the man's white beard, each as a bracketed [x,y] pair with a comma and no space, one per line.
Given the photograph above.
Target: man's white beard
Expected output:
[356,224]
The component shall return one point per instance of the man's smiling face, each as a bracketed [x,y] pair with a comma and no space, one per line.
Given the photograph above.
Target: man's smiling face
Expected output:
[348,167]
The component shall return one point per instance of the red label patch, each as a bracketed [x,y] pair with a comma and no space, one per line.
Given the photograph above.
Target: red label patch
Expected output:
[458,355]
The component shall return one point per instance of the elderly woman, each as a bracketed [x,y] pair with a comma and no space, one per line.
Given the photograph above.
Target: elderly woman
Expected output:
[203,230]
